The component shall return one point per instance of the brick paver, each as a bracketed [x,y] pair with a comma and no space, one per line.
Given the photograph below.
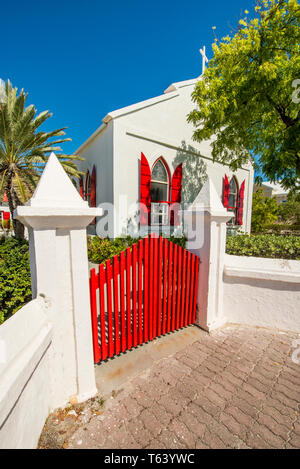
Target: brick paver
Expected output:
[235,388]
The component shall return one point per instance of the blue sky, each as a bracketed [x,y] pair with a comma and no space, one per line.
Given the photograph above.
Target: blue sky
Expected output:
[82,59]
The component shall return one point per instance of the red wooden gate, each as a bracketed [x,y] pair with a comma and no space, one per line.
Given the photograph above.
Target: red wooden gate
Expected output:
[145,292]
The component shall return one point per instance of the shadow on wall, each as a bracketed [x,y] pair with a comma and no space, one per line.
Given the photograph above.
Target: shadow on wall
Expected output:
[194,172]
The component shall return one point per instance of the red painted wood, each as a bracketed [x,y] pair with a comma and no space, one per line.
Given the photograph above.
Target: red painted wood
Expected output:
[93,187]
[146,288]
[104,350]
[108,271]
[140,289]
[179,267]
[94,316]
[145,197]
[134,296]
[155,286]
[165,292]
[193,259]
[226,192]
[240,209]
[176,194]
[116,305]
[187,290]
[170,265]
[150,312]
[81,190]
[159,280]
[122,301]
[196,276]
[182,299]
[128,298]
[161,295]
[173,312]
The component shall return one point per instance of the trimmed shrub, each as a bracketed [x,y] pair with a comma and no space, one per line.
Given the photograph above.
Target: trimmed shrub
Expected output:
[267,245]
[15,282]
[101,249]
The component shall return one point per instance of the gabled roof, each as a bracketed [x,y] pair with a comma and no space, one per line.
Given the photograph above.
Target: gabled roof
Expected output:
[170,93]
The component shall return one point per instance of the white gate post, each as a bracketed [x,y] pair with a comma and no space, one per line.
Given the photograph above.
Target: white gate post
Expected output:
[57,218]
[205,226]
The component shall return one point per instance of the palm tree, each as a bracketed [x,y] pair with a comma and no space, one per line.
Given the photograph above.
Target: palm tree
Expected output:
[24,150]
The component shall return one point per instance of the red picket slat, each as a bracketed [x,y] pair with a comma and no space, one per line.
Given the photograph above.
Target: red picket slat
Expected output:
[155,269]
[192,289]
[116,305]
[195,288]
[178,286]
[102,311]
[174,287]
[140,291]
[122,301]
[170,264]
[94,316]
[187,289]
[109,308]
[182,288]
[128,298]
[160,265]
[164,315]
[150,312]
[146,288]
[134,295]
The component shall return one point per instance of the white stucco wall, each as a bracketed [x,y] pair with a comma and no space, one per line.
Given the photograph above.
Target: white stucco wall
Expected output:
[25,341]
[99,152]
[262,292]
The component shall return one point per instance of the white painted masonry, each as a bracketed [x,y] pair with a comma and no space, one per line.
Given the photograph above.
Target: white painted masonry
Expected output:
[262,292]
[238,289]
[25,365]
[46,349]
[210,217]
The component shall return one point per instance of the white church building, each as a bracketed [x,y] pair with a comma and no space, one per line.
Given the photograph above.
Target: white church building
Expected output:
[144,153]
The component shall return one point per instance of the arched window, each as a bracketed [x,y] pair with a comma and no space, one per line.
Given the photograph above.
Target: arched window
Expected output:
[159,194]
[159,183]
[233,200]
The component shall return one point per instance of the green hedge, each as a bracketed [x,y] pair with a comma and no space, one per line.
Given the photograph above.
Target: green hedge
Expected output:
[268,245]
[284,227]
[101,249]
[15,282]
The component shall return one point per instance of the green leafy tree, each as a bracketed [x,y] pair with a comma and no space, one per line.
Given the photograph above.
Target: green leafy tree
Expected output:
[264,211]
[248,99]
[24,150]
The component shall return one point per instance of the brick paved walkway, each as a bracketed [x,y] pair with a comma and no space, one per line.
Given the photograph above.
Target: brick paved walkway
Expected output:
[237,388]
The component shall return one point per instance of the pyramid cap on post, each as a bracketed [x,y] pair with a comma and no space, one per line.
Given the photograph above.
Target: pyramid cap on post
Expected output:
[208,201]
[55,188]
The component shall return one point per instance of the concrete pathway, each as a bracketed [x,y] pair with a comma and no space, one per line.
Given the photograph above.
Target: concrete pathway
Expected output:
[236,388]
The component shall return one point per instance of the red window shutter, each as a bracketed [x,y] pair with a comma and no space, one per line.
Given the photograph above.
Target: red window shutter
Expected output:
[87,185]
[93,187]
[226,192]
[145,195]
[240,208]
[81,186]
[176,194]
